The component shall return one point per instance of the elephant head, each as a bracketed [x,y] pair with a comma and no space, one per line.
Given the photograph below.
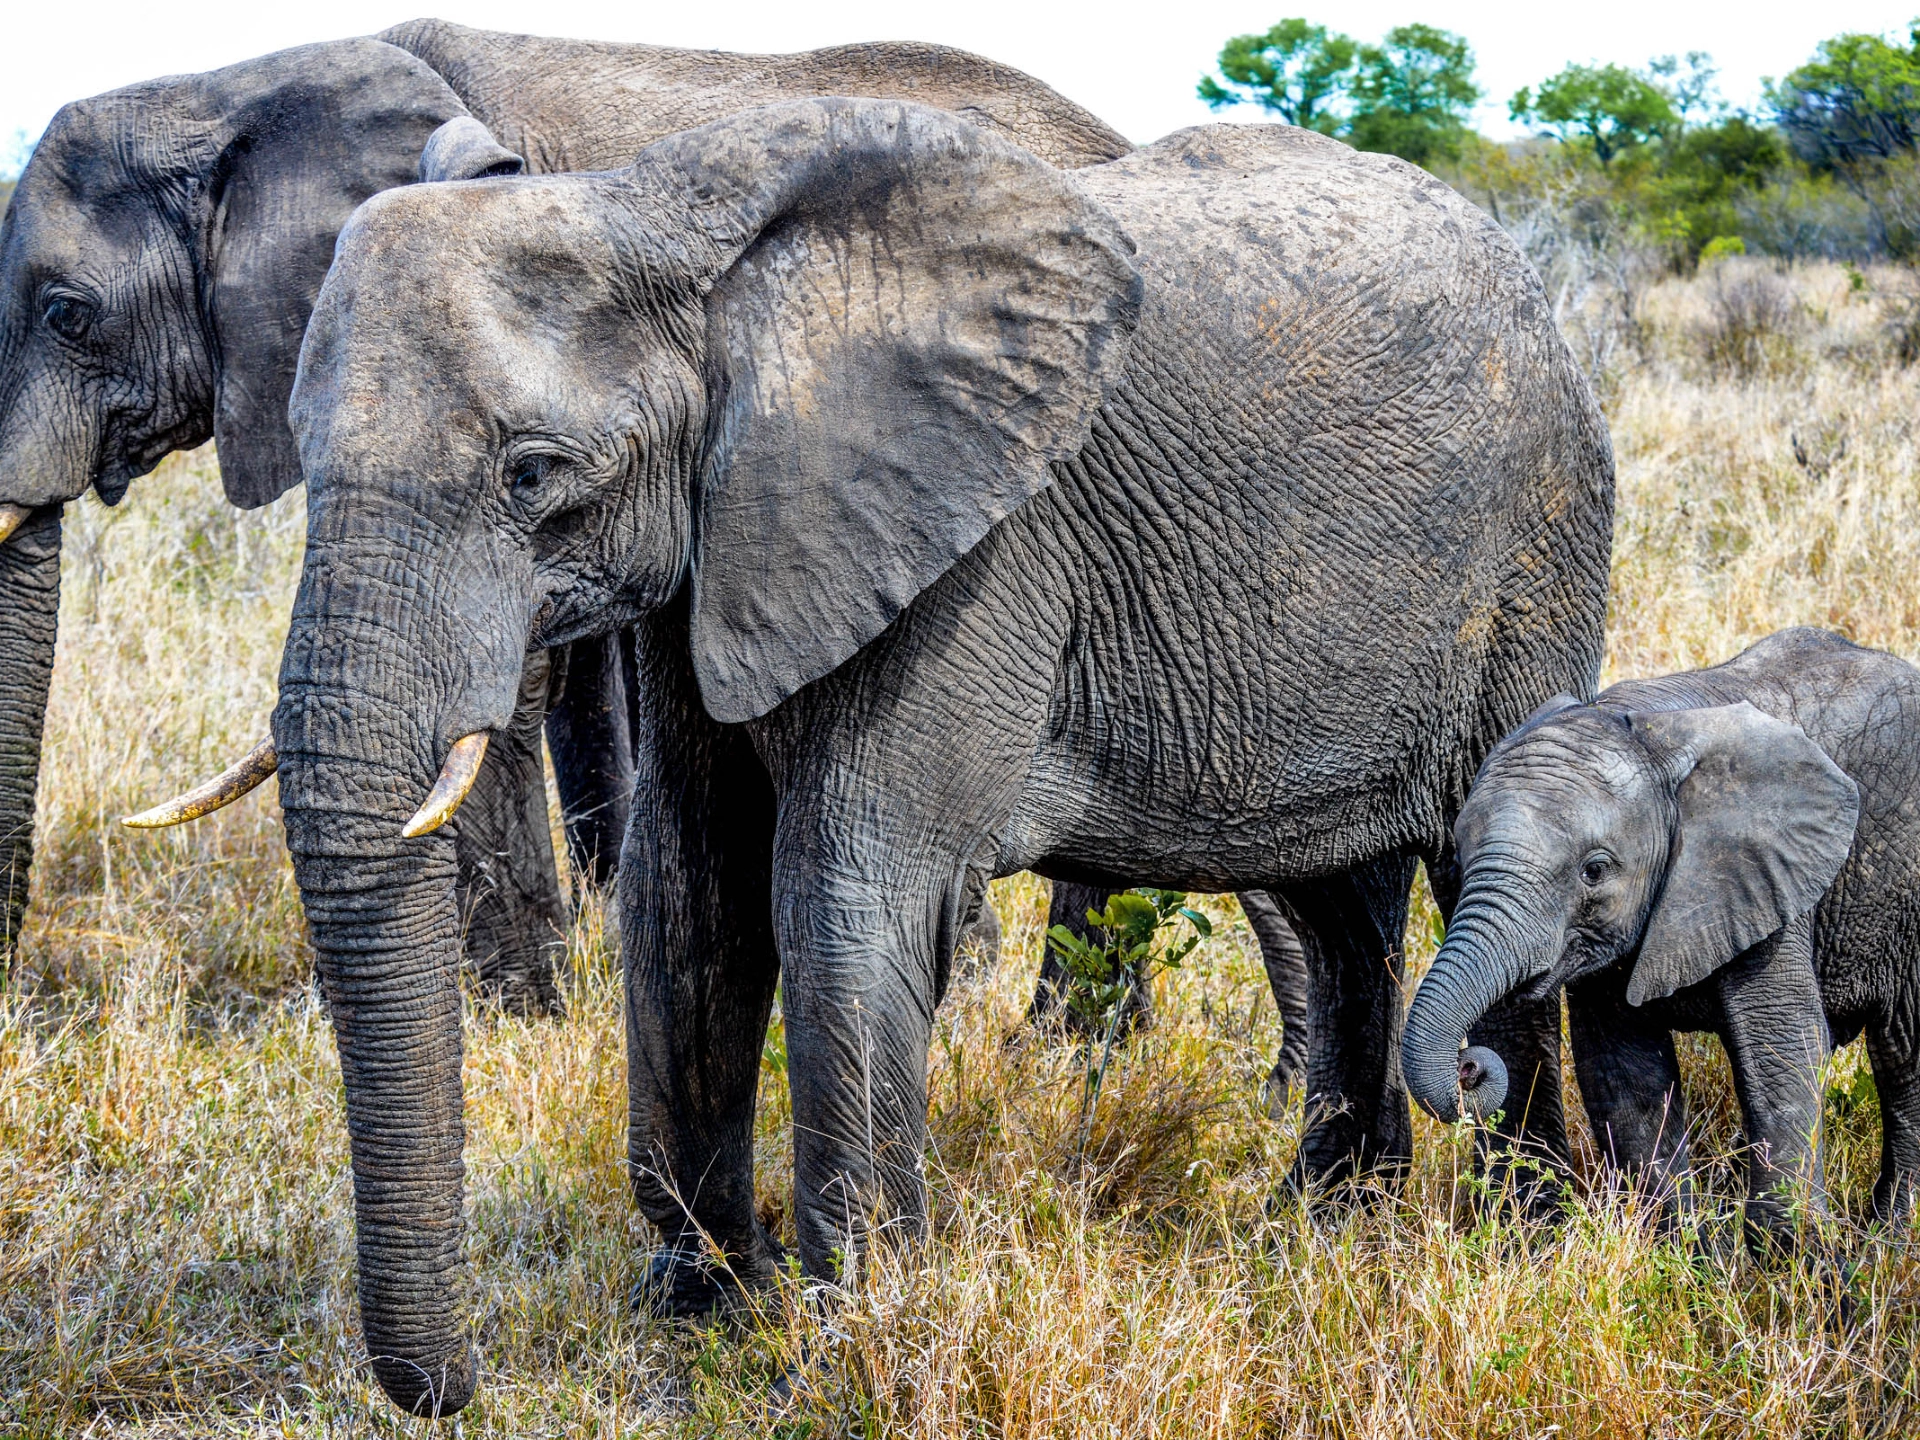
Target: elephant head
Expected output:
[785,371]
[1668,839]
[157,265]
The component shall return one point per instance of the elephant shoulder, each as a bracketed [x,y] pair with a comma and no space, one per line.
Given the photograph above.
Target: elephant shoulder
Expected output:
[997,97]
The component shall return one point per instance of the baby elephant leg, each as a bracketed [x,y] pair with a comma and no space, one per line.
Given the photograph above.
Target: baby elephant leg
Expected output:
[1775,1031]
[1630,1084]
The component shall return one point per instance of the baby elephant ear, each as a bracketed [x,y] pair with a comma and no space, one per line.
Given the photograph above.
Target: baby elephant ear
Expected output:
[1765,822]
[464,149]
[910,321]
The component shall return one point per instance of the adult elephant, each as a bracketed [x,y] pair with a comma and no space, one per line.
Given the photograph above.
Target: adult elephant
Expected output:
[157,266]
[958,537]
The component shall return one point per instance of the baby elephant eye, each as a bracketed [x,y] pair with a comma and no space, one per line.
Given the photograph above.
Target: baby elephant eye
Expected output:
[68,316]
[1596,868]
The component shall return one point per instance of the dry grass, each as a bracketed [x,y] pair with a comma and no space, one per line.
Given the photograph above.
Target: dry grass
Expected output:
[175,1250]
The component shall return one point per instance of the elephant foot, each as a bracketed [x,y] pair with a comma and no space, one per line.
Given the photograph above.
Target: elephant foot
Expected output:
[1340,1153]
[683,1283]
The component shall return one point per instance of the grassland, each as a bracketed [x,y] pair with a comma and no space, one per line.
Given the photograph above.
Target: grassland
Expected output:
[176,1253]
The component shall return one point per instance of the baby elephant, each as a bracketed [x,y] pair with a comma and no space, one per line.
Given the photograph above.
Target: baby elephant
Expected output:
[1734,850]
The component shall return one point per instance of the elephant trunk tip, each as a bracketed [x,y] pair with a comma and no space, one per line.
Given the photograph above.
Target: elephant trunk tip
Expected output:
[1483,1081]
[433,1392]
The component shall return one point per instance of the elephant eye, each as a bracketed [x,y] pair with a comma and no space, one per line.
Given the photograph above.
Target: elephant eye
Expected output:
[1596,868]
[528,473]
[68,316]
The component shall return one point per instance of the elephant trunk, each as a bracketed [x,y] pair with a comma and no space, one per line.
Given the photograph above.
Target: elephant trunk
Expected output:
[30,603]
[381,909]
[1487,953]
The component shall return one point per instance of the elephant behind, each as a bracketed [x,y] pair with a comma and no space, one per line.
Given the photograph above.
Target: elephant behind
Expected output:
[1734,850]
[1201,518]
[157,266]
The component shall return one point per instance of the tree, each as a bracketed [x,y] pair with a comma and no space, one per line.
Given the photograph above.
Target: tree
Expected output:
[1693,90]
[1297,70]
[1847,112]
[1858,99]
[1608,107]
[1412,94]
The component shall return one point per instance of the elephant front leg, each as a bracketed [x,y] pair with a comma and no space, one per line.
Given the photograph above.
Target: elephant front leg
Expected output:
[513,914]
[1350,927]
[698,948]
[1775,1030]
[1629,1078]
[858,1001]
[589,731]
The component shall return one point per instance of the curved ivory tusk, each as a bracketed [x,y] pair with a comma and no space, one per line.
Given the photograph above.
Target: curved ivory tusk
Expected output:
[10,518]
[456,779]
[222,790]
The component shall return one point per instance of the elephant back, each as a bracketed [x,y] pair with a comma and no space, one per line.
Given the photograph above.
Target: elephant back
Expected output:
[594,105]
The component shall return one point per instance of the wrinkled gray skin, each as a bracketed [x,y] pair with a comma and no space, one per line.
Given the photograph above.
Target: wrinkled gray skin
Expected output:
[935,575]
[157,267]
[1683,855]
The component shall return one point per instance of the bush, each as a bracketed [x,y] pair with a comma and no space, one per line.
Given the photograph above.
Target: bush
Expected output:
[1899,297]
[1752,318]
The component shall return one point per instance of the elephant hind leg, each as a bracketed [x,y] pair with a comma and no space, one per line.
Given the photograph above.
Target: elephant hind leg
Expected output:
[1286,965]
[1896,1076]
[1350,927]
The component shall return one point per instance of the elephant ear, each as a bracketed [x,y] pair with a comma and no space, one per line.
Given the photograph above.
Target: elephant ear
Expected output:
[464,149]
[1765,822]
[910,320]
[307,135]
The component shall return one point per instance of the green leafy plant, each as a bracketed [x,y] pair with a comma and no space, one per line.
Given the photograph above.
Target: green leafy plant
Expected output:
[1132,941]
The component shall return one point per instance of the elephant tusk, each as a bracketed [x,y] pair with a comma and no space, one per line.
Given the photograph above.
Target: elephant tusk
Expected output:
[10,518]
[222,790]
[456,779]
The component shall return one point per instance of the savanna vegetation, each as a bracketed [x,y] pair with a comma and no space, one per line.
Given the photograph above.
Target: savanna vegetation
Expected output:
[1650,156]
[1106,1260]
[175,1255]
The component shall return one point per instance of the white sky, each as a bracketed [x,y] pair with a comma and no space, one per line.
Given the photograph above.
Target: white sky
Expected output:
[1134,64]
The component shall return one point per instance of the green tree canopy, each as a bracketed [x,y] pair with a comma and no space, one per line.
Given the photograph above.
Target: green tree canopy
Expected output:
[1297,70]
[1606,107]
[1412,94]
[1857,99]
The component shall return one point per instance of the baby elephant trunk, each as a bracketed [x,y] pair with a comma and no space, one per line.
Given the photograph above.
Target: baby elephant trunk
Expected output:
[1469,975]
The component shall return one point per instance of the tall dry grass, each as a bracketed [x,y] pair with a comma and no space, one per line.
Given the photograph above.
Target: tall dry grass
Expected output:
[175,1249]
